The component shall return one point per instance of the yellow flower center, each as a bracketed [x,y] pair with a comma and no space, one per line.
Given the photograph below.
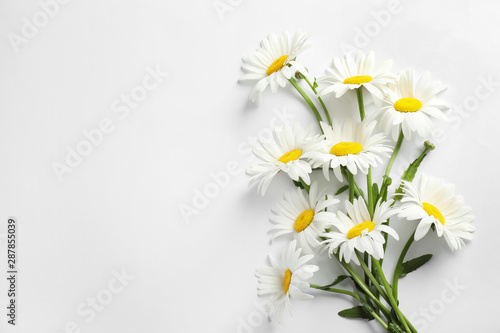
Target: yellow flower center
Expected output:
[358,79]
[433,211]
[356,231]
[287,280]
[276,65]
[303,220]
[292,155]
[346,148]
[408,105]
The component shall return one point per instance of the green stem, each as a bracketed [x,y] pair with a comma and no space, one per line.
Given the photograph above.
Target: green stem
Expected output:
[392,300]
[399,265]
[308,100]
[335,290]
[394,154]
[351,186]
[357,191]
[350,293]
[361,105]
[363,286]
[370,276]
[320,100]
[371,204]
[306,187]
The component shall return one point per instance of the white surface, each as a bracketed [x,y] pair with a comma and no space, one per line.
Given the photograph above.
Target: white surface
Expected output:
[119,209]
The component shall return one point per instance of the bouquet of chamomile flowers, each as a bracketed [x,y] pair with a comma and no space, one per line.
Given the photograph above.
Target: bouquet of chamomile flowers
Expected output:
[353,232]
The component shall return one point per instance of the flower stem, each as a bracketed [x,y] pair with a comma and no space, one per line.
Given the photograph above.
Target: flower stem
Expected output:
[361,105]
[394,154]
[371,204]
[363,286]
[306,187]
[392,300]
[351,186]
[370,276]
[335,290]
[308,100]
[350,293]
[320,100]
[399,265]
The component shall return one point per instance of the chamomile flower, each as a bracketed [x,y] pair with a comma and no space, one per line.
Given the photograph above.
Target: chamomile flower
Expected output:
[411,106]
[360,232]
[270,64]
[283,153]
[352,145]
[434,204]
[354,71]
[303,216]
[286,279]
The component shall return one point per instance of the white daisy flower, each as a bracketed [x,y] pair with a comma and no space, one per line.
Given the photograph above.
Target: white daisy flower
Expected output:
[286,279]
[283,153]
[270,64]
[434,204]
[357,231]
[411,106]
[351,72]
[352,145]
[303,216]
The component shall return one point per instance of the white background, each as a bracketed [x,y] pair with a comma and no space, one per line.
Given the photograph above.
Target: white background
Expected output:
[119,209]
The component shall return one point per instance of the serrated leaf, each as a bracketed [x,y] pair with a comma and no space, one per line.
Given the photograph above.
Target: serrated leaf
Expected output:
[342,189]
[356,312]
[413,264]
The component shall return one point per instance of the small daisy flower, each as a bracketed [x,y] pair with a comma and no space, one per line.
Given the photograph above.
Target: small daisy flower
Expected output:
[411,106]
[434,204]
[270,64]
[352,145]
[303,216]
[357,231]
[283,153]
[354,71]
[286,279]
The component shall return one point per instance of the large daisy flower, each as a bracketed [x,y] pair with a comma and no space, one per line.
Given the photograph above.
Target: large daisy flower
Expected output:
[303,216]
[434,204]
[283,153]
[286,279]
[270,64]
[357,231]
[351,72]
[352,145]
[411,105]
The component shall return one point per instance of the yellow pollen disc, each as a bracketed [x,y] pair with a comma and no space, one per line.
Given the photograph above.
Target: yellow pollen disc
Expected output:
[287,279]
[346,148]
[276,65]
[356,231]
[303,220]
[292,155]
[408,105]
[358,79]
[433,211]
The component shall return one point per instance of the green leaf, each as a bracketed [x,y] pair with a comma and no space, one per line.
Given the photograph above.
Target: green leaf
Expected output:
[356,312]
[342,189]
[413,264]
